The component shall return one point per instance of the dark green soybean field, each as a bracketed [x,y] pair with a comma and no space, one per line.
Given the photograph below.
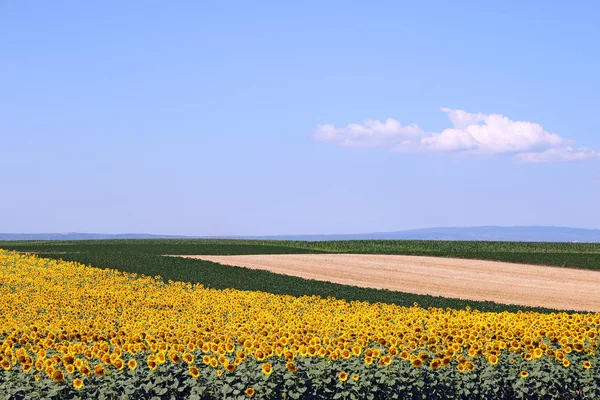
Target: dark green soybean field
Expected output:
[148,257]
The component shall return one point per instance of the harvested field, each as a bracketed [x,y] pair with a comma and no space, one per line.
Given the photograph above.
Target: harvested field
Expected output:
[506,283]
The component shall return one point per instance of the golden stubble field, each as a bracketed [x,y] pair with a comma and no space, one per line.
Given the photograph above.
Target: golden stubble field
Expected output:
[507,283]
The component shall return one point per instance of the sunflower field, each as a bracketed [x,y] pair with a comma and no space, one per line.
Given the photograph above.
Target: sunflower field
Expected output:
[71,331]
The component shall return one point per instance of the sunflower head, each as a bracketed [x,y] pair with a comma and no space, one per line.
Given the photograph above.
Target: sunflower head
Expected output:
[290,366]
[267,369]
[77,383]
[249,392]
[194,371]
[417,362]
[492,359]
[58,376]
[435,364]
[524,374]
[342,376]
[587,365]
[99,370]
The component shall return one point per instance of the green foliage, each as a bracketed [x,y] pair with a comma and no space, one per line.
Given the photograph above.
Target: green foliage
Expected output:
[317,378]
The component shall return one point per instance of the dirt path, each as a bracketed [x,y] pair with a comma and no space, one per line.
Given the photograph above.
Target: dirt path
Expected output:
[506,283]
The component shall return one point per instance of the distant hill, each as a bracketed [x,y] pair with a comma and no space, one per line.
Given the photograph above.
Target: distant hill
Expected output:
[80,236]
[491,233]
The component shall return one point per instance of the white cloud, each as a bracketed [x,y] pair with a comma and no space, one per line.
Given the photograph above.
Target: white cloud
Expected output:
[368,134]
[470,134]
[558,154]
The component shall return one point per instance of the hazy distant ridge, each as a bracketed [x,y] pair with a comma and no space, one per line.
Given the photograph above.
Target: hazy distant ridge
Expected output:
[491,233]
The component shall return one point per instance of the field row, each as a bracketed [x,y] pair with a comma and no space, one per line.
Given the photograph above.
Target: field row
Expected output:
[145,256]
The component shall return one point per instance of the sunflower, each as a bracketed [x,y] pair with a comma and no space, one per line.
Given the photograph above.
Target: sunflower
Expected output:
[267,369]
[342,376]
[417,362]
[538,353]
[174,357]
[493,359]
[368,360]
[27,367]
[435,364]
[587,365]
[524,374]
[230,367]
[290,366]
[118,364]
[194,372]
[78,383]
[70,369]
[355,377]
[356,351]
[85,371]
[385,360]
[99,370]
[58,376]
[260,355]
[578,346]
[219,372]
[188,358]
[160,357]
[528,356]
[152,364]
[5,364]
[566,363]
[132,364]
[249,392]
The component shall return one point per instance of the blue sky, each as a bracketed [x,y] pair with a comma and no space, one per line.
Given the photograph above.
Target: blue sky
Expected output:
[235,118]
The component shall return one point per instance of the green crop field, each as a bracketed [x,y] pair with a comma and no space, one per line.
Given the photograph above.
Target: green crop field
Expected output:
[146,257]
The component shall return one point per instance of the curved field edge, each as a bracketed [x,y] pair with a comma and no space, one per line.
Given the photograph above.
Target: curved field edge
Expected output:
[145,257]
